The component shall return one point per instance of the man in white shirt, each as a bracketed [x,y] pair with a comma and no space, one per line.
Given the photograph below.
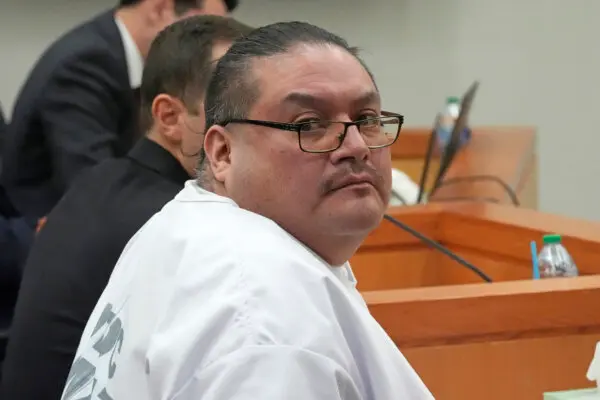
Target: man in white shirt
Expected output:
[240,288]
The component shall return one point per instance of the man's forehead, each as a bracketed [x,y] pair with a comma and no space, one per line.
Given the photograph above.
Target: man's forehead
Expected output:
[313,74]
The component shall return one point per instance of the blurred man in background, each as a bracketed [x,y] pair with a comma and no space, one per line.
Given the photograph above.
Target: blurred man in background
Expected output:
[77,249]
[78,105]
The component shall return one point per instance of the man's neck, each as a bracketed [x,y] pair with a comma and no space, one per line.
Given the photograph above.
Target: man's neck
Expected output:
[334,250]
[130,18]
[162,142]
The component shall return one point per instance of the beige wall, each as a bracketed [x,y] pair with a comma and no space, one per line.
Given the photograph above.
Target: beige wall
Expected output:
[538,61]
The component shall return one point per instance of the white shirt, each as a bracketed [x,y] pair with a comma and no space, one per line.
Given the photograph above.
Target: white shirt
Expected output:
[212,302]
[133,57]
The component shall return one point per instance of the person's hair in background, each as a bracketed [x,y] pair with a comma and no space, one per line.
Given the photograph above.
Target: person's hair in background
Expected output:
[232,90]
[183,6]
[178,68]
[144,19]
[181,68]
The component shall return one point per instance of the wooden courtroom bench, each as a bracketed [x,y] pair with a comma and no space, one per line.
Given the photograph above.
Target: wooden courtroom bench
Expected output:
[512,339]
[515,338]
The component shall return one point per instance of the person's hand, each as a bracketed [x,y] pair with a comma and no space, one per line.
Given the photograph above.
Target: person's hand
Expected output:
[40,224]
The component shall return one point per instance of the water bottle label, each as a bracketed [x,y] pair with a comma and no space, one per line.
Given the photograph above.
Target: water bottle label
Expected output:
[443,137]
[445,134]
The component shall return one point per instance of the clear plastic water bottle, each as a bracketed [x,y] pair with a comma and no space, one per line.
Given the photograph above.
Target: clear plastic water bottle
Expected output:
[448,119]
[554,260]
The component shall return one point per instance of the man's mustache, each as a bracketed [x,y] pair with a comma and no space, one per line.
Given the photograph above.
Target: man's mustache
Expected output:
[352,168]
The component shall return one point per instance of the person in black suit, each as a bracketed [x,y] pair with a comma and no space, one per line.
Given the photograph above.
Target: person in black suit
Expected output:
[76,250]
[77,106]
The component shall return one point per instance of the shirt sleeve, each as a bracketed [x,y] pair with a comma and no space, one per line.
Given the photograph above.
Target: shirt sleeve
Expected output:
[271,372]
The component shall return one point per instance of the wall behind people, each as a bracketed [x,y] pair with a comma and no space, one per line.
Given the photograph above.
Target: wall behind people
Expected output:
[538,66]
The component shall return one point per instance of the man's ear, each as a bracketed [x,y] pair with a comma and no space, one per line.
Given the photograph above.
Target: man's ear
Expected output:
[217,146]
[167,112]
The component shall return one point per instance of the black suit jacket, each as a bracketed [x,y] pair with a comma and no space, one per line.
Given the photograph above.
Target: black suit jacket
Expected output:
[75,109]
[71,261]
[2,130]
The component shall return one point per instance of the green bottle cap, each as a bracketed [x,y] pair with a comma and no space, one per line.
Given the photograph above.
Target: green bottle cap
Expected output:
[550,239]
[452,100]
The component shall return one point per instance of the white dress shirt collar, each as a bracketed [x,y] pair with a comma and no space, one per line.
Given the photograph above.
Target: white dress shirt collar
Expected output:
[135,61]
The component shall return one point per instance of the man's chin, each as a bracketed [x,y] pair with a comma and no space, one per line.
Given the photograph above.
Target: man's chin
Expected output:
[361,219]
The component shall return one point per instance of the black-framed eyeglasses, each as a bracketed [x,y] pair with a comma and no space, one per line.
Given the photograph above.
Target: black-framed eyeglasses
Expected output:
[327,136]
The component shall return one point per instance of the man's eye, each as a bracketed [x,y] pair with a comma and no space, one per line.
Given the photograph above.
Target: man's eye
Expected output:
[312,125]
[308,120]
[367,117]
[368,120]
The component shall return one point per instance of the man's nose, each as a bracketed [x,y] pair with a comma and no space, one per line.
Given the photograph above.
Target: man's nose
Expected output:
[354,145]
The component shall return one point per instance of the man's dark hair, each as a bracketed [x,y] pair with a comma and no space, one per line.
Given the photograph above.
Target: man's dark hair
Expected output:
[180,63]
[181,6]
[233,90]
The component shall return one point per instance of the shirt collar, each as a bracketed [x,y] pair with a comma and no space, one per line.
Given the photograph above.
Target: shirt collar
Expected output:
[135,61]
[192,192]
[152,156]
[349,274]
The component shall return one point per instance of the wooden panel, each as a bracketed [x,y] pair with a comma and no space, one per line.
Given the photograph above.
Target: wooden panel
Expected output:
[529,188]
[507,340]
[497,267]
[412,143]
[424,218]
[506,231]
[493,237]
[518,369]
[485,312]
[504,152]
[391,258]
[405,267]
[512,339]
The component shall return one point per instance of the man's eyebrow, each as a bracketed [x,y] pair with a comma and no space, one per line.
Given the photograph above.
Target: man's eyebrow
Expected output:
[302,99]
[310,101]
[371,97]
